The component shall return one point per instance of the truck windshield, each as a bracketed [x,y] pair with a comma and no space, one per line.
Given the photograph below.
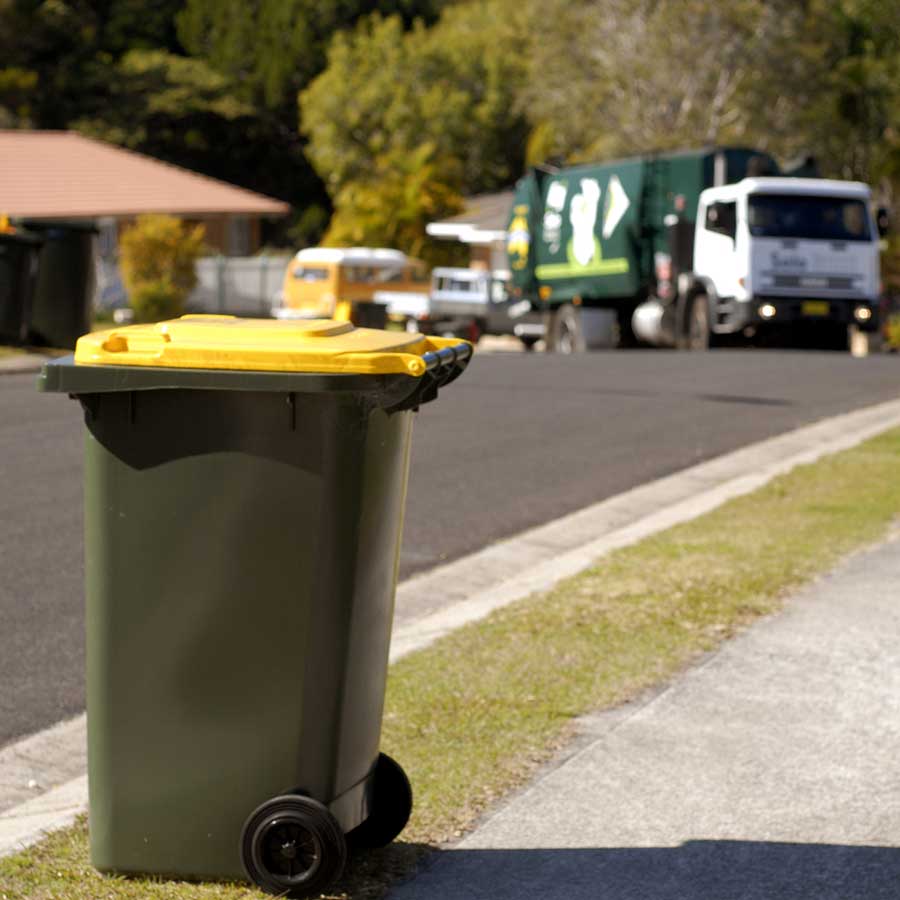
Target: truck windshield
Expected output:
[818,218]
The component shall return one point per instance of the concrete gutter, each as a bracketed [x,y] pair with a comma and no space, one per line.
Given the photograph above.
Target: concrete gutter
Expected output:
[431,605]
[22,363]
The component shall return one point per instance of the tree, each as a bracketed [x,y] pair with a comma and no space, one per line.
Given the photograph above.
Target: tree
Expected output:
[611,77]
[852,113]
[442,99]
[392,208]
[627,76]
[274,48]
[68,46]
[269,50]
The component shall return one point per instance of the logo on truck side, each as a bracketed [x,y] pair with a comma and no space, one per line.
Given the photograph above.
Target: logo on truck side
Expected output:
[615,207]
[518,240]
[584,251]
[583,216]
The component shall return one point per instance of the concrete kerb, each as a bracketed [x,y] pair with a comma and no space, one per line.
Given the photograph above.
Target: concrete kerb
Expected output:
[22,364]
[433,604]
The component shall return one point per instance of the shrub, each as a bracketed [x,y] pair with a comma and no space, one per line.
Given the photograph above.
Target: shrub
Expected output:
[153,301]
[158,256]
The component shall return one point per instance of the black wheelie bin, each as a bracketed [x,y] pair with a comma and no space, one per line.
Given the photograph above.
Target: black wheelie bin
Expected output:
[62,307]
[245,483]
[19,252]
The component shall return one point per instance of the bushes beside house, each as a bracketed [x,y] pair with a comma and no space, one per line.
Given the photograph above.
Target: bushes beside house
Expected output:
[158,258]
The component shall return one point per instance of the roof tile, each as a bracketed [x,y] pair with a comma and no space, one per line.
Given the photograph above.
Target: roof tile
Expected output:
[64,175]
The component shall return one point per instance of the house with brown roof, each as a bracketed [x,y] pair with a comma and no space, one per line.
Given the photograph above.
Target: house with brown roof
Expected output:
[64,176]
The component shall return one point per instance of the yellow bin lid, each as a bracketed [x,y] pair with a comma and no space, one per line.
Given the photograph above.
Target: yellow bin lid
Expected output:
[269,345]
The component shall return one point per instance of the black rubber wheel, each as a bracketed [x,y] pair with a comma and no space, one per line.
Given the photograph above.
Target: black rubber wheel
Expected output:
[293,846]
[391,806]
[529,342]
[697,325]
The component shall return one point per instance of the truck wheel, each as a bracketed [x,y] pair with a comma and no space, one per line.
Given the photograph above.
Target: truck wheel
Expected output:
[565,334]
[293,846]
[696,335]
[529,342]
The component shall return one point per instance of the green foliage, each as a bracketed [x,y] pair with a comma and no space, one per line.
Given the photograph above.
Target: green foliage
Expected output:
[484,86]
[17,88]
[389,91]
[613,77]
[159,100]
[156,301]
[852,113]
[69,47]
[625,76]
[402,123]
[158,257]
[392,208]
[277,46]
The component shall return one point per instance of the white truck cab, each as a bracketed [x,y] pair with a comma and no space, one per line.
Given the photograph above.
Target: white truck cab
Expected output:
[785,250]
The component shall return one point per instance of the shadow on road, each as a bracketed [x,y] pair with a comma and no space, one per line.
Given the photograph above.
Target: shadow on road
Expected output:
[697,870]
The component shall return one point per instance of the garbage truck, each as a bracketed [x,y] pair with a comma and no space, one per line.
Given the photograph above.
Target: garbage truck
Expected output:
[683,248]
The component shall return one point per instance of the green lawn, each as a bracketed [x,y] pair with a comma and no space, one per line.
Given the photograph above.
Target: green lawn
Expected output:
[472,717]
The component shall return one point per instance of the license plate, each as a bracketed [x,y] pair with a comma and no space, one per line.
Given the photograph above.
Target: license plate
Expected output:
[815,308]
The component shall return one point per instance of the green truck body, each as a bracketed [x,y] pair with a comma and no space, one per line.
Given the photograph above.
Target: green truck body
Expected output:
[588,234]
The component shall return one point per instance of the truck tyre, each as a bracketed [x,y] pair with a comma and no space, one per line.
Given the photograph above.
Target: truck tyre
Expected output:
[695,334]
[564,332]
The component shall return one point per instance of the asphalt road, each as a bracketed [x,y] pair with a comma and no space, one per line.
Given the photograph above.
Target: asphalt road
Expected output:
[518,440]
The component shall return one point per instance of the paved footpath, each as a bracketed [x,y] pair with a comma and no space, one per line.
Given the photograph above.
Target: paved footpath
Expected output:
[770,772]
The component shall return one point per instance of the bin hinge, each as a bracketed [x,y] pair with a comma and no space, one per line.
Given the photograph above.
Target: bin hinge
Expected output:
[441,367]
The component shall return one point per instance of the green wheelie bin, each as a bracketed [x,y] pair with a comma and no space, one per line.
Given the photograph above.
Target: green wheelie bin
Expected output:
[245,483]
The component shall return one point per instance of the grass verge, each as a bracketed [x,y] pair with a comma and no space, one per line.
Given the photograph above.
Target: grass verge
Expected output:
[472,717]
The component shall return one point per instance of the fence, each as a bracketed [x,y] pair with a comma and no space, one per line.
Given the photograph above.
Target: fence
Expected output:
[237,286]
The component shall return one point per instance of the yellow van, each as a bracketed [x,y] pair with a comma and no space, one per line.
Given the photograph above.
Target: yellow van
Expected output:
[356,284]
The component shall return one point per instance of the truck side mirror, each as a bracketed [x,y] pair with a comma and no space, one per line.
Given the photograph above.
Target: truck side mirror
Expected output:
[883,221]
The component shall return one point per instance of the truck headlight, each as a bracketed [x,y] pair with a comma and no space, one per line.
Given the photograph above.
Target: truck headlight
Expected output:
[767,311]
[862,313]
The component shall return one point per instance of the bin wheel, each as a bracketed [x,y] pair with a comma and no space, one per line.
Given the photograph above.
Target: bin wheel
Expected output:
[390,807]
[293,846]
